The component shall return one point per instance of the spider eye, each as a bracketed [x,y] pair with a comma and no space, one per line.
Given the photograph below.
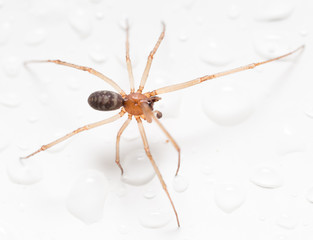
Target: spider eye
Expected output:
[105,100]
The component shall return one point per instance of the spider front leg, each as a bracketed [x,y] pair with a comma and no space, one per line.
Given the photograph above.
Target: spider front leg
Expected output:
[117,159]
[156,169]
[86,127]
[149,62]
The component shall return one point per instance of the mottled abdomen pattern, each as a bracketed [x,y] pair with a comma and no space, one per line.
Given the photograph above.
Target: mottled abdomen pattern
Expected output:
[105,100]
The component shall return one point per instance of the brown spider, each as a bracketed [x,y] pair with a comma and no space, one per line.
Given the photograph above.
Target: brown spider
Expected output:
[138,104]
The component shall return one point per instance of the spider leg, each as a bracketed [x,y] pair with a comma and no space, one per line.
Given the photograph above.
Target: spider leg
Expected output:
[149,61]
[156,169]
[90,70]
[128,61]
[117,159]
[187,84]
[86,127]
[149,116]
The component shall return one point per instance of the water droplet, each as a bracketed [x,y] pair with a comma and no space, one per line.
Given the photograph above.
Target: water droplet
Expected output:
[308,109]
[150,193]
[36,37]
[275,10]
[227,105]
[304,32]
[32,117]
[183,36]
[309,195]
[216,53]
[3,144]
[272,45]
[290,141]
[137,168]
[233,12]
[24,171]
[12,66]
[97,54]
[287,221]
[87,196]
[5,31]
[207,170]
[95,1]
[229,197]
[44,99]
[5,234]
[155,218]
[73,84]
[80,22]
[99,15]
[10,100]
[123,229]
[266,177]
[180,184]
[187,4]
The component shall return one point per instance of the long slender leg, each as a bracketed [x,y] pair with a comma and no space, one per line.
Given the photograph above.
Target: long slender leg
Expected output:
[117,159]
[90,70]
[179,86]
[149,62]
[156,169]
[86,127]
[170,138]
[128,61]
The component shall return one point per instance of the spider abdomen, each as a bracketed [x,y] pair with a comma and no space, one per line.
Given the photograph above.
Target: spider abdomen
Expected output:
[105,100]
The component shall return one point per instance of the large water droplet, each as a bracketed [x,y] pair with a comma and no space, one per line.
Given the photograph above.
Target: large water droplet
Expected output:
[80,22]
[287,221]
[216,53]
[24,171]
[266,177]
[229,197]
[137,168]
[10,100]
[180,184]
[309,195]
[155,218]
[36,37]
[12,66]
[275,10]
[87,196]
[227,105]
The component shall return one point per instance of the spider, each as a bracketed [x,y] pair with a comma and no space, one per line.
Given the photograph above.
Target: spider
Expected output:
[137,104]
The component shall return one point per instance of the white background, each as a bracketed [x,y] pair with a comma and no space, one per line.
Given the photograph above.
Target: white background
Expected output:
[246,139]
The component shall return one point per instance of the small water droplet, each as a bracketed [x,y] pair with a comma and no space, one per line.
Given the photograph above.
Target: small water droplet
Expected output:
[44,99]
[309,195]
[308,109]
[5,234]
[304,32]
[32,117]
[183,36]
[272,45]
[87,196]
[216,53]
[150,193]
[10,100]
[95,1]
[207,170]
[100,15]
[123,229]
[233,12]
[5,31]
[188,4]
[275,10]
[180,184]
[137,168]
[287,221]
[266,177]
[97,54]
[36,37]
[155,218]
[227,105]
[3,144]
[290,141]
[229,197]
[73,84]
[12,66]
[24,171]
[80,22]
